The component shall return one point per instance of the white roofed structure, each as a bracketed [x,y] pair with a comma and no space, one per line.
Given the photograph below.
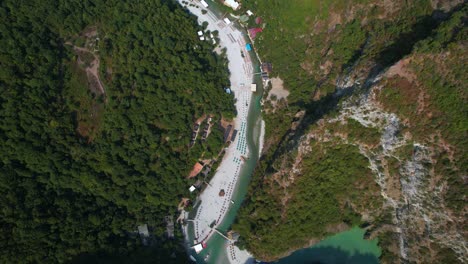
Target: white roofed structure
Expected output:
[227,21]
[249,13]
[143,230]
[198,248]
[232,3]
[192,188]
[200,33]
[253,87]
[205,4]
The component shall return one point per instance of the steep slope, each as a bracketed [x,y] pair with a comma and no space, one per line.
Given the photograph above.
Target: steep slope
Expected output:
[372,132]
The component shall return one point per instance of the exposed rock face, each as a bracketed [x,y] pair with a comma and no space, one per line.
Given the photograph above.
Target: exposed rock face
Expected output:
[395,100]
[415,194]
[402,167]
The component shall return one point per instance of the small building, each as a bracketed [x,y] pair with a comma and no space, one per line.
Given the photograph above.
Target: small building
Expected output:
[199,183]
[227,21]
[235,236]
[198,248]
[228,91]
[234,134]
[253,87]
[253,32]
[227,132]
[244,18]
[144,234]
[200,33]
[232,3]
[205,4]
[196,169]
[202,38]
[143,230]
[192,188]
[206,171]
[258,20]
[249,13]
[266,67]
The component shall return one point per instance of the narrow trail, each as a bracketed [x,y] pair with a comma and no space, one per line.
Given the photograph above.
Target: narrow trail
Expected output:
[92,71]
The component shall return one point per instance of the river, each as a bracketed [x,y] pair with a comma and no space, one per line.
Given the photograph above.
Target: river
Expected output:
[349,246]
[242,65]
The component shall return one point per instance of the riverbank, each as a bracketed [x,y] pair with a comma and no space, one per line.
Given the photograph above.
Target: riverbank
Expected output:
[217,199]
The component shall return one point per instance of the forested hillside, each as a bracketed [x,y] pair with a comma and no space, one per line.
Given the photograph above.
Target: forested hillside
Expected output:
[86,158]
[373,132]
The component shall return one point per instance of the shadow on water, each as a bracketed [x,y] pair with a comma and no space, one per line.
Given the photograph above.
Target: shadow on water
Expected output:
[328,255]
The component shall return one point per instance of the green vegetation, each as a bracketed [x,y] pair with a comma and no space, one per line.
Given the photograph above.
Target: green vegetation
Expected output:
[388,240]
[81,170]
[327,193]
[324,38]
[441,75]
[315,45]
[358,132]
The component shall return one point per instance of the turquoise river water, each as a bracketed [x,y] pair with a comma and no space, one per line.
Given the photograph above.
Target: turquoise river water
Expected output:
[346,247]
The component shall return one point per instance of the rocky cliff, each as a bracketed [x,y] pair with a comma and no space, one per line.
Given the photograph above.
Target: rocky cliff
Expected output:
[372,133]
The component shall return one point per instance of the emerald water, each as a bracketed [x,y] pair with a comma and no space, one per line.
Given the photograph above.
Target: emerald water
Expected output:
[216,245]
[346,247]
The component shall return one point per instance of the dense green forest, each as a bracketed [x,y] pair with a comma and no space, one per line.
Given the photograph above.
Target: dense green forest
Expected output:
[82,168]
[314,202]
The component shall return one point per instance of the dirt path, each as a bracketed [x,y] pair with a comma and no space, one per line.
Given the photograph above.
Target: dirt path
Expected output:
[92,71]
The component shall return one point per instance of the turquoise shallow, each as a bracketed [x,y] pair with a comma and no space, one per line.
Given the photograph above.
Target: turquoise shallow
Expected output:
[347,247]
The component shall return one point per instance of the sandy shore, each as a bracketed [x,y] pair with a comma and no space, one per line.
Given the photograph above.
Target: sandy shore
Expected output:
[213,207]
